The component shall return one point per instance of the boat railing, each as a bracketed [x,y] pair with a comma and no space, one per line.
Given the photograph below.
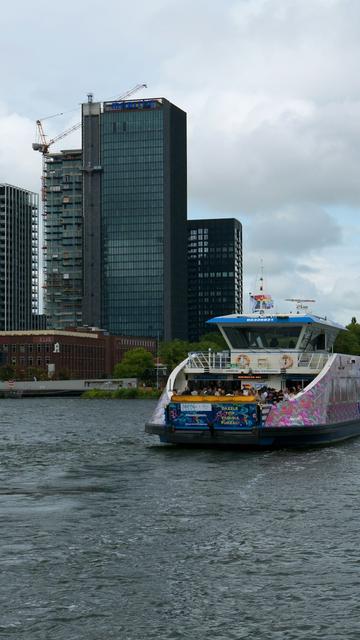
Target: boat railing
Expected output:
[209,360]
[212,360]
[313,360]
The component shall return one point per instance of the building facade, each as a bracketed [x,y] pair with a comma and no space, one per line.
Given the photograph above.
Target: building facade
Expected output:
[19,288]
[215,272]
[66,354]
[135,211]
[62,249]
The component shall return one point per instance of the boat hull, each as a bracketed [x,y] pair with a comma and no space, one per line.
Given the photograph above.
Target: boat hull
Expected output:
[258,437]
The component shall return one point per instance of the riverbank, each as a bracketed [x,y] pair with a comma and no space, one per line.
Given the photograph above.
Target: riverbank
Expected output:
[102,388]
[127,394]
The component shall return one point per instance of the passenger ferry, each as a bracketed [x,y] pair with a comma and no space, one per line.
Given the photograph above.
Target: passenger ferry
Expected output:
[279,384]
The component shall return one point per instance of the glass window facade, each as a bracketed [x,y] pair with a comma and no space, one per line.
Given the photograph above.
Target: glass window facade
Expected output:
[135,210]
[132,158]
[214,272]
[19,211]
[263,337]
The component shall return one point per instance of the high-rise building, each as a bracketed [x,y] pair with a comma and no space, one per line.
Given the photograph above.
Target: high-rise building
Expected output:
[63,225]
[135,210]
[19,210]
[214,272]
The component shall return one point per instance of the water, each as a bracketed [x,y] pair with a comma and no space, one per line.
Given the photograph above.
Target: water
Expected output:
[107,534]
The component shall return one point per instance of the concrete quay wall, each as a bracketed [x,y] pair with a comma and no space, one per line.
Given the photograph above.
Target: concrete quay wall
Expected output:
[20,388]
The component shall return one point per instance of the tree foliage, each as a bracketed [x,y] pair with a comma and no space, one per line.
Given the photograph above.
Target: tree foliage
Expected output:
[136,363]
[10,372]
[173,352]
[215,338]
[349,341]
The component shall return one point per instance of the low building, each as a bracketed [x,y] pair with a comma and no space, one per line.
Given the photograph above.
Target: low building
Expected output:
[70,354]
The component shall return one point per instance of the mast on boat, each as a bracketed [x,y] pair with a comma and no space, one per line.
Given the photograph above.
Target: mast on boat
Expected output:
[261,302]
[302,304]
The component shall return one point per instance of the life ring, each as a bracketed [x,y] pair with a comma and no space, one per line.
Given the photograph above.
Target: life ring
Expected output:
[287,361]
[243,360]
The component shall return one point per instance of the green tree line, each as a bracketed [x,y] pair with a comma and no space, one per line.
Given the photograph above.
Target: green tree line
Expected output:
[140,363]
[349,341]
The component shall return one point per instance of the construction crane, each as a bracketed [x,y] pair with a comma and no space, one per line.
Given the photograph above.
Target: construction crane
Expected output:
[43,145]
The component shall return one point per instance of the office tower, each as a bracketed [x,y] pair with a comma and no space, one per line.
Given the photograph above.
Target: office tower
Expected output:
[135,208]
[18,257]
[63,239]
[214,272]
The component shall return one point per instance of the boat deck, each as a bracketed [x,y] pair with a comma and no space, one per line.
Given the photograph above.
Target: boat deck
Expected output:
[212,398]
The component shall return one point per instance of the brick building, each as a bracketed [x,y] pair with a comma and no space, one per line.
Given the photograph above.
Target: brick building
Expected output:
[76,354]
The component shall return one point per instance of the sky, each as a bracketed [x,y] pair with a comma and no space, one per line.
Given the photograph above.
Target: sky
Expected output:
[272,94]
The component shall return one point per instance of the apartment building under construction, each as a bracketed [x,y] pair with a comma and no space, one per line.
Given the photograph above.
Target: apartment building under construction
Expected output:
[62,249]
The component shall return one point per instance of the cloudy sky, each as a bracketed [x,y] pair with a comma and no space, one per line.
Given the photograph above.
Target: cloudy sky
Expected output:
[272,93]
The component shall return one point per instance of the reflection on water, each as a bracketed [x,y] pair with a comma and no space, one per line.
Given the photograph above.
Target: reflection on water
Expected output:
[107,534]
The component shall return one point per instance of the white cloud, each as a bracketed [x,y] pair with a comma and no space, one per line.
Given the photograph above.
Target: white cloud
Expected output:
[294,232]
[272,92]
[17,164]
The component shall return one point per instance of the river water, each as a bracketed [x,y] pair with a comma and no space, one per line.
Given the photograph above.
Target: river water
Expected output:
[107,534]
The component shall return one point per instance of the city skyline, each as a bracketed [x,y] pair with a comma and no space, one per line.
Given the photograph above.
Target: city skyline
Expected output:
[271,93]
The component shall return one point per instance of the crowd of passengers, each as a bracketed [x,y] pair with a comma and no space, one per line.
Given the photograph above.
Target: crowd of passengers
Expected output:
[264,395]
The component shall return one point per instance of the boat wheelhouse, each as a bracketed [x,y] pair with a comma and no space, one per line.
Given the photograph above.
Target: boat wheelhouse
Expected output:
[278,384]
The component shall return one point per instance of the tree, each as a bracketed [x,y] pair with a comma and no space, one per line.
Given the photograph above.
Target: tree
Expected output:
[7,372]
[36,372]
[136,363]
[173,352]
[349,341]
[216,338]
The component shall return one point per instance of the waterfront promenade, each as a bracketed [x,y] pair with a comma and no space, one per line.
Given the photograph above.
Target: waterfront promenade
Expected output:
[20,388]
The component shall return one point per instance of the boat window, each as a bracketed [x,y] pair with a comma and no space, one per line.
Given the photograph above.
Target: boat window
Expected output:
[318,342]
[343,389]
[335,396]
[262,337]
[357,385]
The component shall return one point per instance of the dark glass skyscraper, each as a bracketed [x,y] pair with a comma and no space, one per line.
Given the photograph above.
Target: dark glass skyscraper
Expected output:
[214,272]
[19,211]
[135,210]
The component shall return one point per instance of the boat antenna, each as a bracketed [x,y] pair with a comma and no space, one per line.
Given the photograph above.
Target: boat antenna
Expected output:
[261,279]
[301,304]
[260,301]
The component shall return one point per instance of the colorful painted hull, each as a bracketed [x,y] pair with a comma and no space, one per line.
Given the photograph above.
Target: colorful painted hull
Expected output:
[326,411]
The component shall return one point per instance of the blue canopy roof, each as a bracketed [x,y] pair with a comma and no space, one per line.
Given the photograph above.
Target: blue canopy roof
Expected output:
[256,319]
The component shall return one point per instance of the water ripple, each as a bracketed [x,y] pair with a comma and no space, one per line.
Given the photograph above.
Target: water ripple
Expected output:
[106,534]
